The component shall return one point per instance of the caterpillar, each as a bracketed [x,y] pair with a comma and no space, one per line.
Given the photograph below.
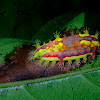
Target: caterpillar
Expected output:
[69,48]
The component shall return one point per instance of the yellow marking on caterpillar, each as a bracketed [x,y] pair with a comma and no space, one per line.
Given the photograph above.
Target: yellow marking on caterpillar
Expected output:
[58,47]
[50,58]
[85,34]
[57,36]
[77,57]
[96,35]
[58,39]
[95,43]
[69,59]
[39,53]
[85,41]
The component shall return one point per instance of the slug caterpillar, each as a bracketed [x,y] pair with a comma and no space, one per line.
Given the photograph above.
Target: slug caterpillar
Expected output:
[69,48]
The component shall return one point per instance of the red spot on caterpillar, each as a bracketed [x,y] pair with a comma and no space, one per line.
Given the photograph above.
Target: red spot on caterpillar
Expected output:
[93,55]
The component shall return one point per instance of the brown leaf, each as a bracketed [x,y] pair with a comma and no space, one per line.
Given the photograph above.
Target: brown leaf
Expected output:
[18,67]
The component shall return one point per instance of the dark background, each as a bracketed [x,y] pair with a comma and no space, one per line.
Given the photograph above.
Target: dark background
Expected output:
[24,18]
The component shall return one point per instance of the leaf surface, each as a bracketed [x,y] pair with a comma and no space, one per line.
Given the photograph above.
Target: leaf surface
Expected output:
[82,86]
[82,83]
[59,24]
[7,46]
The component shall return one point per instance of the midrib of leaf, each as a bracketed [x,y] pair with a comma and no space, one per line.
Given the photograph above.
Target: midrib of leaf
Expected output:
[17,83]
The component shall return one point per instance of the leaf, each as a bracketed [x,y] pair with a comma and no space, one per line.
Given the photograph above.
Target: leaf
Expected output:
[82,86]
[77,22]
[82,83]
[19,67]
[7,46]
[58,24]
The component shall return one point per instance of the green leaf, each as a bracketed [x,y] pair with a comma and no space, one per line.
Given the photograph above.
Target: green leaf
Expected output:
[58,24]
[77,22]
[83,86]
[80,84]
[7,46]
